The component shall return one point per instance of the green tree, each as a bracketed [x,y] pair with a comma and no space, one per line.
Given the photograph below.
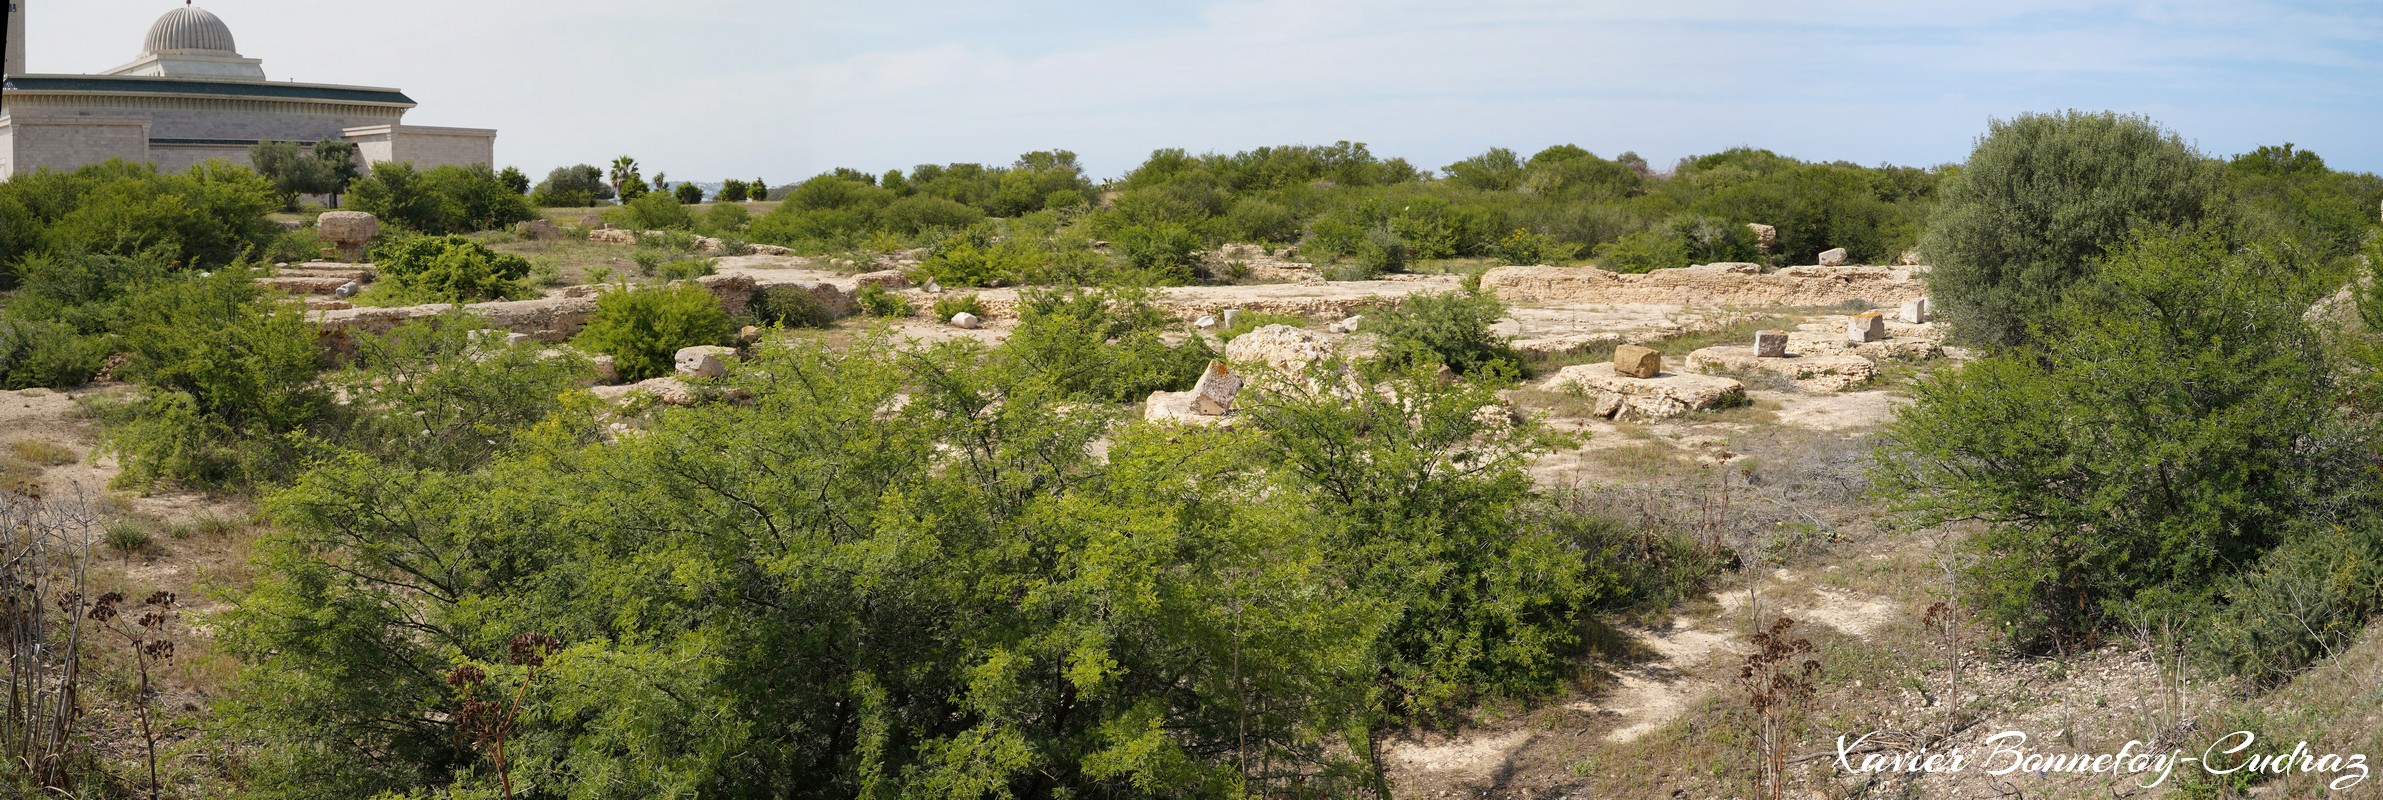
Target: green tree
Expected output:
[626,183]
[512,178]
[2042,198]
[733,191]
[2184,422]
[578,186]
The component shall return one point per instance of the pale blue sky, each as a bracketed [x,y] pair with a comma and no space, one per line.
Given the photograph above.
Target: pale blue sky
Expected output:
[708,89]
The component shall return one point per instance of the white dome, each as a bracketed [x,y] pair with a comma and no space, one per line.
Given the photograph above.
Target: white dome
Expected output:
[187,29]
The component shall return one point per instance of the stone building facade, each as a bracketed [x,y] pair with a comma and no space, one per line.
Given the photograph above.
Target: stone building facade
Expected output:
[190,96]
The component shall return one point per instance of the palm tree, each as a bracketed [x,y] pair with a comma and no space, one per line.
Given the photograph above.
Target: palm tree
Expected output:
[623,169]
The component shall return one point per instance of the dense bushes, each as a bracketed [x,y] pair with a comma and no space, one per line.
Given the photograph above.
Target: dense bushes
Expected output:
[2042,198]
[443,200]
[1100,344]
[643,328]
[2184,424]
[444,269]
[1449,329]
[893,573]
[203,218]
[228,379]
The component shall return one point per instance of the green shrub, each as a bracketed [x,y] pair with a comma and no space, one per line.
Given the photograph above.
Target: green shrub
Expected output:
[48,354]
[918,214]
[228,380]
[875,301]
[2040,200]
[689,268]
[1382,252]
[653,211]
[2300,603]
[954,305]
[444,269]
[127,539]
[961,262]
[726,217]
[644,328]
[1164,248]
[1100,344]
[1644,251]
[1526,247]
[2184,423]
[790,307]
[442,200]
[1451,329]
[733,191]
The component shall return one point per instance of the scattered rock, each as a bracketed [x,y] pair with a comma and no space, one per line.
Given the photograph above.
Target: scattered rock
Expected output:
[347,290]
[1637,362]
[1909,258]
[1813,372]
[608,370]
[667,391]
[768,250]
[749,334]
[1914,311]
[1770,344]
[885,278]
[1213,395]
[1834,257]
[706,361]
[1204,323]
[612,236]
[1345,326]
[1176,408]
[539,230]
[1231,315]
[1765,236]
[1278,347]
[967,321]
[1621,397]
[1866,327]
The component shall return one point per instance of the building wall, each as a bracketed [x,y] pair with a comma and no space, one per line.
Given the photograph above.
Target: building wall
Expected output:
[222,119]
[64,143]
[426,147]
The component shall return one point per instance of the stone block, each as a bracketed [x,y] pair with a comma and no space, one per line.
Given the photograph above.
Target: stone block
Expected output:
[612,236]
[347,228]
[1867,327]
[1616,396]
[1231,316]
[967,321]
[1213,395]
[707,361]
[1770,344]
[539,230]
[1633,361]
[1914,312]
[1834,257]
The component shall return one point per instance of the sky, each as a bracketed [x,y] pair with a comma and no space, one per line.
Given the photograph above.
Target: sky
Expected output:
[784,89]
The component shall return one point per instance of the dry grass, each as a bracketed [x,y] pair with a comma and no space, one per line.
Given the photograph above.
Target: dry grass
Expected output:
[41,453]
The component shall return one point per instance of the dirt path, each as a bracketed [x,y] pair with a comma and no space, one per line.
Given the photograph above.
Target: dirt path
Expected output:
[1688,661]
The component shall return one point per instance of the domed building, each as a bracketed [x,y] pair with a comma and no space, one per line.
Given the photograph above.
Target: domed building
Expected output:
[190,96]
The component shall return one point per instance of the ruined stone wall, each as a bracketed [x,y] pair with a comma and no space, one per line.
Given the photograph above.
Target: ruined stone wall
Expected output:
[1710,284]
[551,319]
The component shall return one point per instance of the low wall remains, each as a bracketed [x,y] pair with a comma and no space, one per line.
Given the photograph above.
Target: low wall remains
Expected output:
[1709,284]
